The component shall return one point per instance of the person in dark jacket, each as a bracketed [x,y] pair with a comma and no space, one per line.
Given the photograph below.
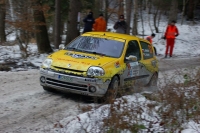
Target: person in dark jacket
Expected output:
[89,21]
[120,26]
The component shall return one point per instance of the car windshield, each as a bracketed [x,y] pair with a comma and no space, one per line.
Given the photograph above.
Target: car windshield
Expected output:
[102,46]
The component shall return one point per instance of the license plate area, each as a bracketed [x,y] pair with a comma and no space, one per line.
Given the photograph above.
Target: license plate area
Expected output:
[65,78]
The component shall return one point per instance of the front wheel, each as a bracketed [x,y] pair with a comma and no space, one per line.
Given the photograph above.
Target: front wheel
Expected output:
[47,89]
[111,93]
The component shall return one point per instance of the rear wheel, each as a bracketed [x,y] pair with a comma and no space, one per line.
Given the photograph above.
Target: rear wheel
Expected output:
[154,80]
[111,93]
[152,85]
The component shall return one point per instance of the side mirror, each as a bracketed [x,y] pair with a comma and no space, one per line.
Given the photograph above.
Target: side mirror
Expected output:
[131,58]
[61,46]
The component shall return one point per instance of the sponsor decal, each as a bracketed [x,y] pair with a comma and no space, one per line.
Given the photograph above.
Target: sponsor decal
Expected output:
[80,56]
[132,69]
[90,80]
[117,65]
[153,62]
[69,65]
[85,63]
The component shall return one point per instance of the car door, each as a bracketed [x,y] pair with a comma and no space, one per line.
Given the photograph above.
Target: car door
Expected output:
[132,58]
[147,63]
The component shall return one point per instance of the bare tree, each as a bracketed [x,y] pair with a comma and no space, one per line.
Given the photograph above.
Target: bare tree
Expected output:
[173,10]
[156,14]
[97,7]
[149,16]
[129,4]
[57,38]
[141,16]
[72,24]
[2,21]
[135,18]
[183,10]
[41,34]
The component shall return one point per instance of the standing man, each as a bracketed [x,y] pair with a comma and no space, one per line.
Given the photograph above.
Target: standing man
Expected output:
[170,34]
[120,26]
[89,21]
[149,38]
[100,23]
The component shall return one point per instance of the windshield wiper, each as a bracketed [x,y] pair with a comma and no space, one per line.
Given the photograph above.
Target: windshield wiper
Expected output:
[75,49]
[70,48]
[98,53]
[95,53]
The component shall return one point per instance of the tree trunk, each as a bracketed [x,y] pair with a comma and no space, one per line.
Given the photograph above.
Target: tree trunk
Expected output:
[121,7]
[129,5]
[96,8]
[183,10]
[149,6]
[135,17]
[173,10]
[190,11]
[2,21]
[155,19]
[41,35]
[106,11]
[72,24]
[57,24]
[141,17]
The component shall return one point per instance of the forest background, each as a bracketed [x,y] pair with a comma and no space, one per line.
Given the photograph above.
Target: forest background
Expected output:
[45,22]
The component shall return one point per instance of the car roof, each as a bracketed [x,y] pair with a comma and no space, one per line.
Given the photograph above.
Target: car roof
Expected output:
[113,34]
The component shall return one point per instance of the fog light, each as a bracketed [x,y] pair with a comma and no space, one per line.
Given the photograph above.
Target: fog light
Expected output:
[92,89]
[42,79]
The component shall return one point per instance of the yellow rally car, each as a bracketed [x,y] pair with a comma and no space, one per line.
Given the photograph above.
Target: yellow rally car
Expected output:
[99,63]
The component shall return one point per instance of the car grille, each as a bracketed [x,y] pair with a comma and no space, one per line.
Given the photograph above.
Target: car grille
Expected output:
[70,71]
[66,85]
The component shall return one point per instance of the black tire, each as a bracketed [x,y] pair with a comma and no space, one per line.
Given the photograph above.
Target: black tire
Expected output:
[152,85]
[47,89]
[111,93]
[154,80]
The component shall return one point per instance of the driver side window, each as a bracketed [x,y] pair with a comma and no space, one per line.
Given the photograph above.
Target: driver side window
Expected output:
[133,49]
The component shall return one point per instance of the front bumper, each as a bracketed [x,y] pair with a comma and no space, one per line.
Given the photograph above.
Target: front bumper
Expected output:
[73,84]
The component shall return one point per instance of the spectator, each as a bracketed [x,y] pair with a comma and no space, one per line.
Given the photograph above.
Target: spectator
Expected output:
[89,21]
[150,39]
[170,34]
[100,23]
[120,26]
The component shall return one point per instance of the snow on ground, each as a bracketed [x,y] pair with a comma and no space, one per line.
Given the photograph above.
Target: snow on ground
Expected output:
[187,45]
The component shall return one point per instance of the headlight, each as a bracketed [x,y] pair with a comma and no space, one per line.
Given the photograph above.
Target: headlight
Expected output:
[47,63]
[95,71]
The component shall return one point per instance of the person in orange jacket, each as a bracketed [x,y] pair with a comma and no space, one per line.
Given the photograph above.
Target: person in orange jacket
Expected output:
[170,34]
[149,38]
[100,24]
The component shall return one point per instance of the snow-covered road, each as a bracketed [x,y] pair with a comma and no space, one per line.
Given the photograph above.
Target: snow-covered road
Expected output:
[26,107]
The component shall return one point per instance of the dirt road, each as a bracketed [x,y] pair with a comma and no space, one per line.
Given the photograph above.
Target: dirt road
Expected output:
[25,107]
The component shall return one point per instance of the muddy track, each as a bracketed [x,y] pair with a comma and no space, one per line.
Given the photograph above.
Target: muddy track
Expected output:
[26,107]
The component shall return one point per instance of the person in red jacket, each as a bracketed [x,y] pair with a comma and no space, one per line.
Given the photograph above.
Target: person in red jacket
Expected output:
[100,24]
[170,34]
[149,38]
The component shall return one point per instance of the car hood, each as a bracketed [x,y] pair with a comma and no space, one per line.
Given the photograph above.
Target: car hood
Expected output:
[78,60]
